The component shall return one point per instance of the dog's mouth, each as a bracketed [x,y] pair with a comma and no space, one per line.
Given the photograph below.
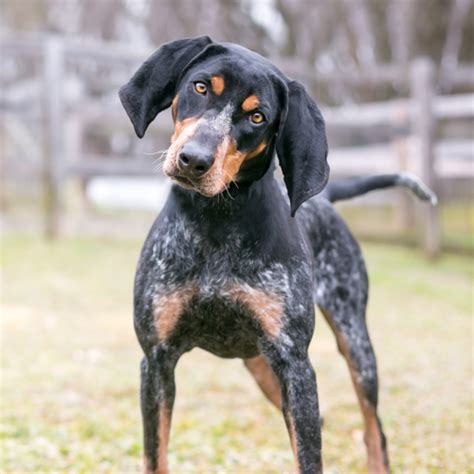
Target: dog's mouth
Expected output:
[184,182]
[208,184]
[189,184]
[195,185]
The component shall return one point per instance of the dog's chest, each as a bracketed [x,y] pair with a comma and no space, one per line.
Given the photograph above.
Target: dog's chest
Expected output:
[219,298]
[225,320]
[182,253]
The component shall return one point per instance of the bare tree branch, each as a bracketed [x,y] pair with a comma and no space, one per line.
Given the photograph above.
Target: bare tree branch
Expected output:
[400,26]
[452,46]
[359,22]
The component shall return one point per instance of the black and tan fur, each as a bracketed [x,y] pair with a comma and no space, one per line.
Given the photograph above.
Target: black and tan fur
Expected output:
[230,266]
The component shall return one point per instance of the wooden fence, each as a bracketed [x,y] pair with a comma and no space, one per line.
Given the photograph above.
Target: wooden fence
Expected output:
[417,117]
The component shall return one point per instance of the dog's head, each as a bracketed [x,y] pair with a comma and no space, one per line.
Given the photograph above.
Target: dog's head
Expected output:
[231,109]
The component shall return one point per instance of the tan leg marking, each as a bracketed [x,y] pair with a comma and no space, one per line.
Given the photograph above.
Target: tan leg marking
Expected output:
[265,378]
[250,103]
[217,84]
[372,434]
[146,466]
[294,442]
[163,436]
[163,433]
[266,309]
[168,309]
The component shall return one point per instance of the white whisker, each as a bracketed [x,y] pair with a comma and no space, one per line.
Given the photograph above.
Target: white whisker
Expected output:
[226,189]
[230,179]
[156,152]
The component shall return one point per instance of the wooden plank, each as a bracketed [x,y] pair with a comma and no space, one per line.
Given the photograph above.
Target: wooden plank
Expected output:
[53,69]
[392,112]
[95,165]
[396,112]
[454,106]
[423,86]
[460,76]
[80,49]
[115,52]
[455,150]
[376,75]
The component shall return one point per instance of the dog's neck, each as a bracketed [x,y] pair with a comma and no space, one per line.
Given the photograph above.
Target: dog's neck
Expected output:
[251,198]
[255,218]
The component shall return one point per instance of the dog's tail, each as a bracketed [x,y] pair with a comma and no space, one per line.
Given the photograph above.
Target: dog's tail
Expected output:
[352,187]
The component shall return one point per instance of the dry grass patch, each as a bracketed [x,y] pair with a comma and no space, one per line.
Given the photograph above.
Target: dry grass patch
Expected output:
[70,371]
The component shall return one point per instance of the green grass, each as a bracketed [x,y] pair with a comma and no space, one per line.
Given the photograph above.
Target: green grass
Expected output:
[70,371]
[456,223]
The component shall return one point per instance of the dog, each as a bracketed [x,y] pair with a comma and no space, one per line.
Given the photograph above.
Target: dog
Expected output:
[235,262]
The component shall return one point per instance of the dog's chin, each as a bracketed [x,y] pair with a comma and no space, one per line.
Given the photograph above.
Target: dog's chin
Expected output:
[194,186]
[184,182]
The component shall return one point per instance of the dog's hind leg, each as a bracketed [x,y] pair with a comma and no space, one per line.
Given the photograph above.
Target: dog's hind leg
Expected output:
[340,290]
[356,348]
[342,297]
[157,398]
[265,378]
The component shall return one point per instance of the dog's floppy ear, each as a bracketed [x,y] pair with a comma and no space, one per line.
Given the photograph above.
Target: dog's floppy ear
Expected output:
[153,86]
[302,147]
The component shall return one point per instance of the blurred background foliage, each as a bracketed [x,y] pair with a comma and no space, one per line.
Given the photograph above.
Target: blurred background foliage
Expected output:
[327,35]
[347,52]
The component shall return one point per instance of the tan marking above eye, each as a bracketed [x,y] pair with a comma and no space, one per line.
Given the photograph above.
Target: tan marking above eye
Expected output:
[217,84]
[200,87]
[250,103]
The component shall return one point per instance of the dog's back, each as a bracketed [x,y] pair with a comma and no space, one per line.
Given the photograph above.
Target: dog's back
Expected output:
[226,266]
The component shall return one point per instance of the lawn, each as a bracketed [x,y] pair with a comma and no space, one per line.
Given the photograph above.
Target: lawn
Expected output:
[70,371]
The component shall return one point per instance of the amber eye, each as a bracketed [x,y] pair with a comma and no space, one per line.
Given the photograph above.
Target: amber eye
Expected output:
[257,117]
[200,87]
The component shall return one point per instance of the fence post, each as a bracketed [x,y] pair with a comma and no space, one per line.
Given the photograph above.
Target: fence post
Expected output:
[53,66]
[424,122]
[400,144]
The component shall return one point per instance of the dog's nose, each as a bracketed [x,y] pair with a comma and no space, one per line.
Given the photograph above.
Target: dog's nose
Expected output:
[194,161]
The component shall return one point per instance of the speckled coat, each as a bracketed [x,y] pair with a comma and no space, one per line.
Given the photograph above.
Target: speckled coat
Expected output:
[230,266]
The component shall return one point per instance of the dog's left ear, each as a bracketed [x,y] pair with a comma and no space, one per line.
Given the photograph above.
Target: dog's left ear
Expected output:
[153,86]
[302,147]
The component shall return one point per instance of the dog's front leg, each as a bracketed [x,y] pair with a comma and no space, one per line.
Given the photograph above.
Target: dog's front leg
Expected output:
[300,406]
[157,398]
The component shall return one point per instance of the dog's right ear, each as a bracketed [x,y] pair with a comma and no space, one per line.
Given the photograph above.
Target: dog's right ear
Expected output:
[153,86]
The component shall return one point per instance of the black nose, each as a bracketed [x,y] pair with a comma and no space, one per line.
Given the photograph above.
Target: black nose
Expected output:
[194,161]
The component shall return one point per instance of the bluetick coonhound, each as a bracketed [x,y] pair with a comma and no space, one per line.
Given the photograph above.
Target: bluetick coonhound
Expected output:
[229,265]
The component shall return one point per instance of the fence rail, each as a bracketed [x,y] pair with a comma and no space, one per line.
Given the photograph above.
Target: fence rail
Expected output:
[414,121]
